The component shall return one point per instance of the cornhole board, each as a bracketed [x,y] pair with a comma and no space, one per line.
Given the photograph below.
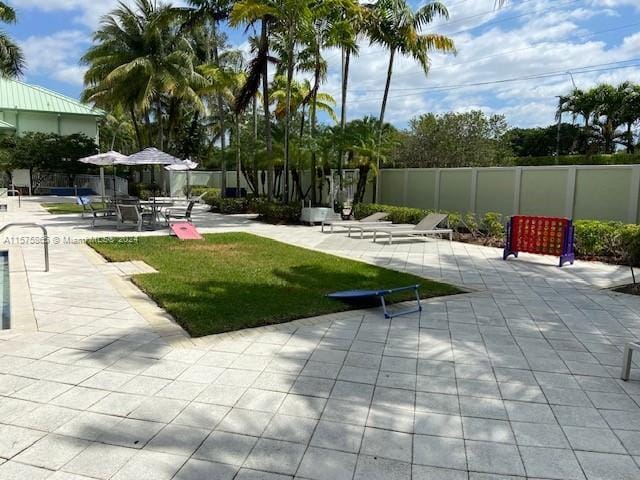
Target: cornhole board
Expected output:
[363,297]
[185,231]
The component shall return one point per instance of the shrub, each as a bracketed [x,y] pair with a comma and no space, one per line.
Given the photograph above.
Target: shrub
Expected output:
[493,224]
[199,190]
[228,206]
[629,241]
[277,212]
[595,238]
[396,214]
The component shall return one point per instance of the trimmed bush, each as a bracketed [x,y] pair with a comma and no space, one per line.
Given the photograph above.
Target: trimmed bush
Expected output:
[490,225]
[598,239]
[278,212]
[211,192]
[228,206]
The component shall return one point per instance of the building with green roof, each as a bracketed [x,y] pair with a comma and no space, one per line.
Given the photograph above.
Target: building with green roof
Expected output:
[30,108]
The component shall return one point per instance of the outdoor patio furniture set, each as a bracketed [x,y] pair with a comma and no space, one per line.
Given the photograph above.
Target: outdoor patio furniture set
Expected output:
[150,214]
[376,224]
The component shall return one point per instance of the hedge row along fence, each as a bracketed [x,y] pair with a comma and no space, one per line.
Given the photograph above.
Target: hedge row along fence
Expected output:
[614,242]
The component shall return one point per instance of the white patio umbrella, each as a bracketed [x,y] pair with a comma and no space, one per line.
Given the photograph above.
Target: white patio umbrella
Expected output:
[110,158]
[151,156]
[186,165]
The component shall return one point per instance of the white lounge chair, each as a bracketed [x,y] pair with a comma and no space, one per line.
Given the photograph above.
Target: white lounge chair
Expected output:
[373,219]
[427,226]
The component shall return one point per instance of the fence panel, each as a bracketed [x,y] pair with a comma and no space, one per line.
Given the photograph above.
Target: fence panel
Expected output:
[600,192]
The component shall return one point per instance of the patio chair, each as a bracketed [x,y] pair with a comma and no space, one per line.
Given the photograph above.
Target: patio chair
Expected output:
[134,215]
[183,213]
[427,226]
[96,213]
[626,359]
[373,219]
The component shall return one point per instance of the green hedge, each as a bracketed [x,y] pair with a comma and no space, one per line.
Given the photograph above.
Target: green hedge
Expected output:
[211,192]
[614,159]
[616,241]
[489,225]
[268,211]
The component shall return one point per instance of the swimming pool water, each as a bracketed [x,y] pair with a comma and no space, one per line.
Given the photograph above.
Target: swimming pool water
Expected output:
[4,290]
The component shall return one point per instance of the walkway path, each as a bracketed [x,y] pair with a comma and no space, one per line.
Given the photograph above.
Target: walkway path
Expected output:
[518,379]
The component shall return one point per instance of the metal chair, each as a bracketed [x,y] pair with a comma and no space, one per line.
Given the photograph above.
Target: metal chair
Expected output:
[132,214]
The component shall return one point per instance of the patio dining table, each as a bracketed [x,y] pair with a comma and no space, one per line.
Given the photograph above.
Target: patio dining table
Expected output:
[156,207]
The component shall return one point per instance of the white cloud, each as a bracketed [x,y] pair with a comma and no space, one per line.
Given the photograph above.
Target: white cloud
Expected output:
[56,55]
[553,39]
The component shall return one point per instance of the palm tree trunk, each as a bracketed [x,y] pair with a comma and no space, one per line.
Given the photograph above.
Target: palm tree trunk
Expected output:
[376,186]
[314,100]
[343,112]
[302,121]
[264,39]
[238,163]
[223,164]
[630,145]
[160,125]
[136,127]
[287,122]
[255,117]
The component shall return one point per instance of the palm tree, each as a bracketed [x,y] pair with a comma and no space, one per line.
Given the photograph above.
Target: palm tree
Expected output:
[140,61]
[630,113]
[11,59]
[332,25]
[209,14]
[227,77]
[249,12]
[398,28]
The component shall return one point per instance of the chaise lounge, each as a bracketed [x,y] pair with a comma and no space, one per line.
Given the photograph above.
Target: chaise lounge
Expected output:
[374,219]
[427,226]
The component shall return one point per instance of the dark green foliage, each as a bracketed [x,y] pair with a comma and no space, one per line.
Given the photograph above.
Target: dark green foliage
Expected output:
[453,140]
[278,212]
[543,141]
[48,152]
[490,225]
[615,159]
[196,191]
[228,206]
[236,280]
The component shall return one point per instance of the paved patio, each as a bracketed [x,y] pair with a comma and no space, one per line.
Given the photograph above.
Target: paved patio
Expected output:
[515,380]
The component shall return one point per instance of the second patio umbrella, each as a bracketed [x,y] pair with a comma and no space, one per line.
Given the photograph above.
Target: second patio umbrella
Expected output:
[102,160]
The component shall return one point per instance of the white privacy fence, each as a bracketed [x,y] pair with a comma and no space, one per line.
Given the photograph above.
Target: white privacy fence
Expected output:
[176,182]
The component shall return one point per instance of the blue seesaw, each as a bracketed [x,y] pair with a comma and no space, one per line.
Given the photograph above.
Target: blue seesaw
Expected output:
[358,296]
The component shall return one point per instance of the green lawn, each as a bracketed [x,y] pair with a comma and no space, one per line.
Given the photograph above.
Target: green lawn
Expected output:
[231,281]
[64,208]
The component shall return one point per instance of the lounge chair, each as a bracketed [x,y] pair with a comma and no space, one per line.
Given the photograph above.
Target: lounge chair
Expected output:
[427,226]
[134,215]
[183,213]
[373,219]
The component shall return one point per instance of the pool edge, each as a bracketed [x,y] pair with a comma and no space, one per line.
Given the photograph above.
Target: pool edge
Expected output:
[22,316]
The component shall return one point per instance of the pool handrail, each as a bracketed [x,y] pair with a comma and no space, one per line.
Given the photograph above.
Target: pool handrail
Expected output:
[44,232]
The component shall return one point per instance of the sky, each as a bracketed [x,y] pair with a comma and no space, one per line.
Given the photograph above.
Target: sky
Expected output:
[514,61]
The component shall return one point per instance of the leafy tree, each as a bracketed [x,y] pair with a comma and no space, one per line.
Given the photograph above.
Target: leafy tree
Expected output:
[46,152]
[543,141]
[11,58]
[140,61]
[453,140]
